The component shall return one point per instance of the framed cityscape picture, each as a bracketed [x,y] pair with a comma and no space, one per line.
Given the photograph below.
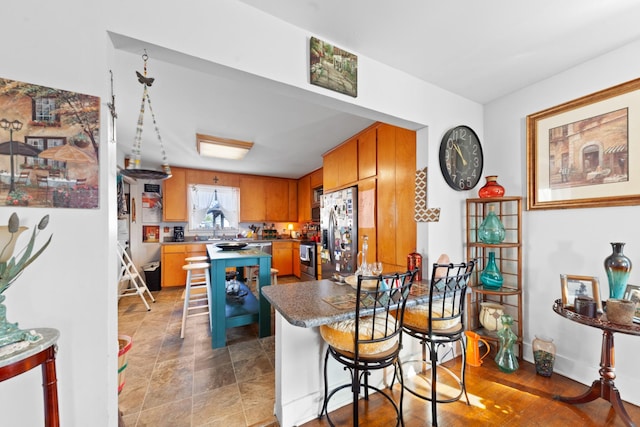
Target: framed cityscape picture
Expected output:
[580,154]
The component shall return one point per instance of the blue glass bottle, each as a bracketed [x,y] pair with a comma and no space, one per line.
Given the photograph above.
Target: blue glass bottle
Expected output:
[491,230]
[491,277]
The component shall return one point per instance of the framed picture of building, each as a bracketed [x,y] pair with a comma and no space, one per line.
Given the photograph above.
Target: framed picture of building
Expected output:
[49,156]
[333,68]
[579,153]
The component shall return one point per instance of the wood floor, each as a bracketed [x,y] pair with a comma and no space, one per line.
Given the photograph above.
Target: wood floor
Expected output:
[522,398]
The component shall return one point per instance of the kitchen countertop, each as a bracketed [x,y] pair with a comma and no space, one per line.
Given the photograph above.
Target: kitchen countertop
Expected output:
[304,303]
[190,240]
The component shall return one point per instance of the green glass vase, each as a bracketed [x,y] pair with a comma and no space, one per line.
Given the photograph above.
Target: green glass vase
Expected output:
[506,358]
[491,278]
[491,230]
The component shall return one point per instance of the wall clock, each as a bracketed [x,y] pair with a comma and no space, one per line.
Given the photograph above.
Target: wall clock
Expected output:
[461,158]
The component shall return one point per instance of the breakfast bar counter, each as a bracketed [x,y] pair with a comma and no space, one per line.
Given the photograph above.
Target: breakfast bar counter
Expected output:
[300,309]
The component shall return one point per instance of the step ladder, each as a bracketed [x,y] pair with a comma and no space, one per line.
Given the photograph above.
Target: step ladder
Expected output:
[129,272]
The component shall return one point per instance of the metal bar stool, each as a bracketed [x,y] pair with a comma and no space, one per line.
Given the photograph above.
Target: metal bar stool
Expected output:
[197,279]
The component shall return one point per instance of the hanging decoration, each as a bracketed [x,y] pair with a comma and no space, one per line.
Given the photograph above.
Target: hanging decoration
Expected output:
[134,170]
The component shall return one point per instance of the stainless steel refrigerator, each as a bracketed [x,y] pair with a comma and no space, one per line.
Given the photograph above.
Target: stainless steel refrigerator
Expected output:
[339,223]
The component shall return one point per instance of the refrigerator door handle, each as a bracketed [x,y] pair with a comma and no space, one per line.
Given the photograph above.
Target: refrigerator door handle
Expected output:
[331,243]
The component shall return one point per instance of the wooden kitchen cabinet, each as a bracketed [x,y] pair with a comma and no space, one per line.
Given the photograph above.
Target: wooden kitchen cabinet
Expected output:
[396,226]
[268,199]
[293,200]
[367,153]
[340,165]
[304,199]
[295,257]
[174,197]
[172,258]
[282,257]
[277,200]
[252,199]
[315,178]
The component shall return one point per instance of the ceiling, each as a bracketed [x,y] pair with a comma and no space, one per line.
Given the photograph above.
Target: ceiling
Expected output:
[479,50]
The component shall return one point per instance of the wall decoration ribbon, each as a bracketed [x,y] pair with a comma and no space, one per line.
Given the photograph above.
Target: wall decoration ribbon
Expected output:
[422,212]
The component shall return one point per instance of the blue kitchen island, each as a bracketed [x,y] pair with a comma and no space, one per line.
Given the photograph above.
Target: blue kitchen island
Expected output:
[230,314]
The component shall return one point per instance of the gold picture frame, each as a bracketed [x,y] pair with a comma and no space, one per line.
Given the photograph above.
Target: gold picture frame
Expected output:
[578,152]
[573,286]
[632,293]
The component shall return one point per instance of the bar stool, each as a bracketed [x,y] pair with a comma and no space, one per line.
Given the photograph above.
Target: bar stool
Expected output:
[197,276]
[252,275]
[197,279]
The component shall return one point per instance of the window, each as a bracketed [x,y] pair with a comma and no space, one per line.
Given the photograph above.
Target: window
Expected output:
[214,208]
[44,110]
[43,143]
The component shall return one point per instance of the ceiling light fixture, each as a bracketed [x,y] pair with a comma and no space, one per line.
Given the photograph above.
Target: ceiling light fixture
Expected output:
[222,148]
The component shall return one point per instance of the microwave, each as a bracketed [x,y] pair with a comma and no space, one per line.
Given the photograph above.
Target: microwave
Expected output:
[315,213]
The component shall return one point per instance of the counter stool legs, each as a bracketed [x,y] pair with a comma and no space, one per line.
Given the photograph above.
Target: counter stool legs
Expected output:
[197,278]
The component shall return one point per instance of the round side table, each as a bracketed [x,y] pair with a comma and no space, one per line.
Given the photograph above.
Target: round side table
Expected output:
[42,352]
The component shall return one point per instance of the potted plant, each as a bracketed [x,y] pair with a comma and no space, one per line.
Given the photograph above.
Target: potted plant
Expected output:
[18,197]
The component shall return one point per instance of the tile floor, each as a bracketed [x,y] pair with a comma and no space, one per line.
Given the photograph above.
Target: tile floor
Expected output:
[177,382]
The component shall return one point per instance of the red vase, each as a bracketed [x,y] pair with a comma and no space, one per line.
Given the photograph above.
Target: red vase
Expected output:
[491,188]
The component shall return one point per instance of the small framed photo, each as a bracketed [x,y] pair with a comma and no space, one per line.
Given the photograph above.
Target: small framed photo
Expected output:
[632,293]
[575,286]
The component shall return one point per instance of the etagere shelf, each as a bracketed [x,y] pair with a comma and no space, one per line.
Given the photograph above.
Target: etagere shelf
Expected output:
[508,256]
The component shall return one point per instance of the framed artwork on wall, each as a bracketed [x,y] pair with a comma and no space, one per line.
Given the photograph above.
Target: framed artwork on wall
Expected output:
[579,153]
[50,157]
[333,68]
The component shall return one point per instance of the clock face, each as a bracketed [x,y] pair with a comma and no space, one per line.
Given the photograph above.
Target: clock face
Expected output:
[461,158]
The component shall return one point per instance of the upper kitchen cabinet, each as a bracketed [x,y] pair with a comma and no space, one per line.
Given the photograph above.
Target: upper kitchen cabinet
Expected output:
[315,178]
[174,194]
[340,165]
[268,199]
[367,153]
[307,186]
[395,195]
[304,199]
[252,199]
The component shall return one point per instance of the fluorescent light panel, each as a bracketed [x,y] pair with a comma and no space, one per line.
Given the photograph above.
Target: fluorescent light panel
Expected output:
[222,148]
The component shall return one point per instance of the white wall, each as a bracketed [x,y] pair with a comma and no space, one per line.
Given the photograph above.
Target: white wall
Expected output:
[72,287]
[571,241]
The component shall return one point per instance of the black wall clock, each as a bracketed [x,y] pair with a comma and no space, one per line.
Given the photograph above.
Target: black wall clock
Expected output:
[461,158]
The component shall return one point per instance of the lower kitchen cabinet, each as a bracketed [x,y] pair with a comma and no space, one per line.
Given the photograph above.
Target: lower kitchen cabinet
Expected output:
[172,258]
[282,257]
[295,256]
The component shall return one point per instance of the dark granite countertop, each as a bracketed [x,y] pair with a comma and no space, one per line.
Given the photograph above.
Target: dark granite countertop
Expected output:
[305,304]
[190,240]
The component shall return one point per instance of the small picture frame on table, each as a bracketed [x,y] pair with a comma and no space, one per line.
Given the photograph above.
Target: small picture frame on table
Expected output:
[632,293]
[575,286]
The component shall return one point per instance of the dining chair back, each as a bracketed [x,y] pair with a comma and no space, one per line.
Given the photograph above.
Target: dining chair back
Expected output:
[371,340]
[43,188]
[438,325]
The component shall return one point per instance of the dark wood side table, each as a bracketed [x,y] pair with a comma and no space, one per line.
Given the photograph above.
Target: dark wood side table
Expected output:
[603,387]
[42,352]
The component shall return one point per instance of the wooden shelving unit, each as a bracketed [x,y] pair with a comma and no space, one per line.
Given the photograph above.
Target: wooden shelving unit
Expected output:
[508,258]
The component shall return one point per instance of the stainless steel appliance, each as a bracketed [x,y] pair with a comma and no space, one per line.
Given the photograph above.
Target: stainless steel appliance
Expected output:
[339,223]
[308,261]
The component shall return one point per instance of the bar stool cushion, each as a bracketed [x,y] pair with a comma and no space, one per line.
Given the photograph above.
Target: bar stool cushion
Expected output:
[418,317]
[340,335]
